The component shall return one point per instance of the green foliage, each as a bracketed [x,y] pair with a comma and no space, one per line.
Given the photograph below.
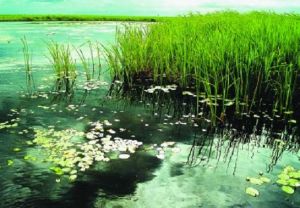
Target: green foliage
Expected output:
[64,67]
[245,58]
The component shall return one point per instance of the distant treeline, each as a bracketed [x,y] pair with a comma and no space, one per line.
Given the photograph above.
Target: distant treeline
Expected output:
[58,17]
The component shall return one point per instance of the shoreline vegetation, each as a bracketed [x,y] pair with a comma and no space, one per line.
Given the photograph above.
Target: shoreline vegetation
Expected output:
[225,59]
[226,62]
[61,17]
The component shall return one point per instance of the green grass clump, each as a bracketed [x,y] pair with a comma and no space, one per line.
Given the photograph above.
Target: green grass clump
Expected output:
[64,67]
[241,58]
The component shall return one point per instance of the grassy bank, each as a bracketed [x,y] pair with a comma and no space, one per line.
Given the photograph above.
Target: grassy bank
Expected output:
[58,17]
[232,59]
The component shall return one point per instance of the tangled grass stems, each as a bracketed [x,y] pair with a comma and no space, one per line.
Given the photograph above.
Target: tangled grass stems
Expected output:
[246,58]
[92,64]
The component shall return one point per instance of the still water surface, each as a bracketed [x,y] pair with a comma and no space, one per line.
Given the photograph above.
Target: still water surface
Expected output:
[148,178]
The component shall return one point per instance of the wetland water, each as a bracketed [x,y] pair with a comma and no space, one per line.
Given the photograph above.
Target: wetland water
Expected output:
[38,147]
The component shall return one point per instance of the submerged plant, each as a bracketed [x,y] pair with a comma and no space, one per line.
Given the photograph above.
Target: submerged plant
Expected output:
[28,66]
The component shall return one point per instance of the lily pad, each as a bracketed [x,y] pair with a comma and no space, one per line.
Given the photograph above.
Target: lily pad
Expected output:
[252,192]
[295,174]
[16,149]
[57,170]
[288,189]
[293,121]
[283,176]
[265,179]
[293,182]
[288,169]
[255,181]
[72,177]
[10,162]
[29,157]
[124,156]
[282,182]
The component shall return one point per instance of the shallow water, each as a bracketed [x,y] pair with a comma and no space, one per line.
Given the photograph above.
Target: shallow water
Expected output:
[145,179]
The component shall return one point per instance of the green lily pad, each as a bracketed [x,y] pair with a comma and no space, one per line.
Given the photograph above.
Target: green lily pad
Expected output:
[10,162]
[288,169]
[295,174]
[255,181]
[72,177]
[282,182]
[283,176]
[57,170]
[16,149]
[293,182]
[265,179]
[29,157]
[252,192]
[29,142]
[288,189]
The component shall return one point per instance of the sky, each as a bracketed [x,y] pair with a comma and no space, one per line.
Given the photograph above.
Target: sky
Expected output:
[142,7]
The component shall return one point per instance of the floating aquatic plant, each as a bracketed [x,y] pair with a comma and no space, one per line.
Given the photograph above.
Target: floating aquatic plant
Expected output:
[252,192]
[10,124]
[71,151]
[289,179]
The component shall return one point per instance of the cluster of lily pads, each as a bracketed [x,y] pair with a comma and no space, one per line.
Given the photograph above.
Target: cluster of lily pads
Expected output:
[289,179]
[8,124]
[11,123]
[256,181]
[71,151]
[61,150]
[98,135]
[165,89]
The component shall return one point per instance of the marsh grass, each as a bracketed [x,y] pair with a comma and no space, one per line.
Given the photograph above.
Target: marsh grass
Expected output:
[91,64]
[27,66]
[248,59]
[64,67]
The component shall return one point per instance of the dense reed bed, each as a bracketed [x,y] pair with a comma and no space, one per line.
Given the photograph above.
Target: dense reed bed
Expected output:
[59,17]
[234,59]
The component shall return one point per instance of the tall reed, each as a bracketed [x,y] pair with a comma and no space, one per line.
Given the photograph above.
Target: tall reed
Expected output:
[27,66]
[64,67]
[239,58]
[91,65]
